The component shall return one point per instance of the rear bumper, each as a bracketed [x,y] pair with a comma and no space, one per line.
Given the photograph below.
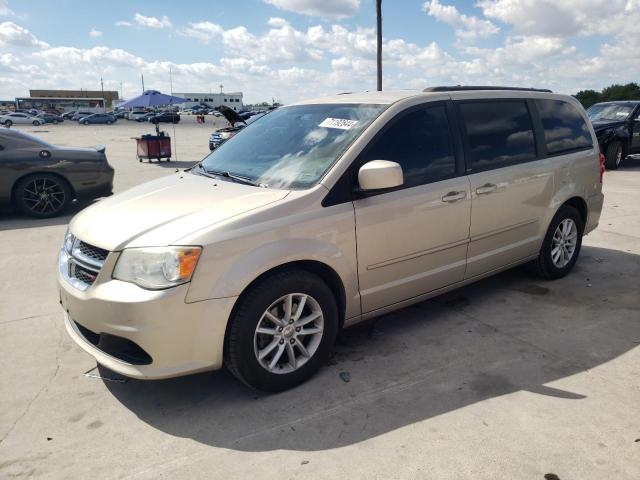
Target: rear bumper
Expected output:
[178,338]
[594,209]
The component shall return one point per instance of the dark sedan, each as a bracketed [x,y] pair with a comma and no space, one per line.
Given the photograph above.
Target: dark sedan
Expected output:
[51,118]
[41,179]
[98,118]
[165,117]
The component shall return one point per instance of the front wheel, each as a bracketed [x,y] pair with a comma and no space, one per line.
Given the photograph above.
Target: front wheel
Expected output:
[109,122]
[8,123]
[55,122]
[282,331]
[85,123]
[36,123]
[561,245]
[614,155]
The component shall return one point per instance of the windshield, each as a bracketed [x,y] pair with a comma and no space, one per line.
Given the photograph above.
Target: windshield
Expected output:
[611,111]
[292,147]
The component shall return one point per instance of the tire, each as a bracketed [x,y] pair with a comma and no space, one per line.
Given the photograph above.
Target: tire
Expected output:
[35,123]
[85,123]
[614,155]
[8,123]
[244,344]
[55,122]
[550,264]
[109,122]
[28,190]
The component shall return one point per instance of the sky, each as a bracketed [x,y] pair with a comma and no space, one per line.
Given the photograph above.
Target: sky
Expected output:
[295,49]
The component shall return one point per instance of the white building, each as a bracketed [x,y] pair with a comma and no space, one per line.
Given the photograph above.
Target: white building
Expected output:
[231,100]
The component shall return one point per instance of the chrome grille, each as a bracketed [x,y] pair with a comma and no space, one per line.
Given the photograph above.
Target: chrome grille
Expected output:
[95,253]
[82,265]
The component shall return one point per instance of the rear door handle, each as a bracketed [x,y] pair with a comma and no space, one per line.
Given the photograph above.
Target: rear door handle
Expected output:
[487,188]
[454,196]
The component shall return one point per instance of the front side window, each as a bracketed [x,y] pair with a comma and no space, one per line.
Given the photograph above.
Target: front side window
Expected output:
[564,127]
[499,133]
[420,142]
[292,147]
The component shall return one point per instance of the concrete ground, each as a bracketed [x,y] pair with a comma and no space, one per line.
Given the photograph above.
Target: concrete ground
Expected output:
[512,377]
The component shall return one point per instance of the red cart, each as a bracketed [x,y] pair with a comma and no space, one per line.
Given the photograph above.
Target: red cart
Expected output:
[154,146]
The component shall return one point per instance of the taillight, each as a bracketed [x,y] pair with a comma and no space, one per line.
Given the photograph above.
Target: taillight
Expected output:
[601,167]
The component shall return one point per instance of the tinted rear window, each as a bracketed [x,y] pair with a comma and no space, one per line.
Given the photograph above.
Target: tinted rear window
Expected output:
[564,128]
[499,133]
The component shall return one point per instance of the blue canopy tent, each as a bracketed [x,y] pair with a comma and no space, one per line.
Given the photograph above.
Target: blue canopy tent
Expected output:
[152,98]
[149,146]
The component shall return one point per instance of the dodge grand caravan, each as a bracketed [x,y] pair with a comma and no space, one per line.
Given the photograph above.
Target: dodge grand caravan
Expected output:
[323,214]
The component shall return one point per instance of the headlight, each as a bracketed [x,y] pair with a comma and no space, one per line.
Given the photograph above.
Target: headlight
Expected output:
[68,242]
[156,268]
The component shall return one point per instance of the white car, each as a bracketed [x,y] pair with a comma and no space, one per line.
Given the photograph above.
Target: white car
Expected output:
[136,114]
[20,118]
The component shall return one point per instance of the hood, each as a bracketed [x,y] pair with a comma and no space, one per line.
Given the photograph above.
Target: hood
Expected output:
[163,211]
[230,114]
[602,124]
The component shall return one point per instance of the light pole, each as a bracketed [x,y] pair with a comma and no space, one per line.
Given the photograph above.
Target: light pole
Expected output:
[379,41]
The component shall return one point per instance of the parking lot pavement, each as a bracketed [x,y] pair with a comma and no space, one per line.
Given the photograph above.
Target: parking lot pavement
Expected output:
[512,377]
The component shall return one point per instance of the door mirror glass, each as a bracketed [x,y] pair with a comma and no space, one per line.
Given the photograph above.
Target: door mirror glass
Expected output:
[379,175]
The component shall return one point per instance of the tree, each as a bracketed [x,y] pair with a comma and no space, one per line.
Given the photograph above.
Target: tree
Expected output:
[630,91]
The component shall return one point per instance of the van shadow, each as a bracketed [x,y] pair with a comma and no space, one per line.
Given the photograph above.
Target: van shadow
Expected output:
[508,333]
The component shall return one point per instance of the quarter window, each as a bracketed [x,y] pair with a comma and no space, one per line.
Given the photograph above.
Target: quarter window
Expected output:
[420,142]
[499,133]
[564,127]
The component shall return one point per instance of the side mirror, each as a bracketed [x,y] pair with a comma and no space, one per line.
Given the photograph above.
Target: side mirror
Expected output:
[380,175]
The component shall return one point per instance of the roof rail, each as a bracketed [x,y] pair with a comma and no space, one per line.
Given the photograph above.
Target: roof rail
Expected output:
[458,88]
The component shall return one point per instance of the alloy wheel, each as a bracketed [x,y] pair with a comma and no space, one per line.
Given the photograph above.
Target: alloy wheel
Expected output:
[289,333]
[563,245]
[43,196]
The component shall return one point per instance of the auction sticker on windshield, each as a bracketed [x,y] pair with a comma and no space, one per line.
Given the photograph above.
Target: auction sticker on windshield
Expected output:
[340,123]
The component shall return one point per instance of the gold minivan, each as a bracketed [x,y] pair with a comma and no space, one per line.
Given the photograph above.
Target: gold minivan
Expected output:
[322,214]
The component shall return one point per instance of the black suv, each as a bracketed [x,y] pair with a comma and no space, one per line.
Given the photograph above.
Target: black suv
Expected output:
[165,117]
[617,126]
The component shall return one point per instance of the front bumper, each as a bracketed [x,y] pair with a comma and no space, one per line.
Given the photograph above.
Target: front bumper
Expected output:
[180,338]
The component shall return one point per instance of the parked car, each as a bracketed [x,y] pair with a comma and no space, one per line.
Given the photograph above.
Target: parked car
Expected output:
[617,126]
[68,115]
[20,118]
[41,179]
[254,249]
[79,115]
[98,118]
[165,117]
[50,118]
[134,115]
[119,115]
[146,117]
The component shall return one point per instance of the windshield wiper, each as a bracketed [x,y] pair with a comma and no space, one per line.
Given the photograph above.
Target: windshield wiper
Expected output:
[231,176]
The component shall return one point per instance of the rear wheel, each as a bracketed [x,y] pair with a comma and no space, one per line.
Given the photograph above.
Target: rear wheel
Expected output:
[562,243]
[109,122]
[282,332]
[55,122]
[42,195]
[614,155]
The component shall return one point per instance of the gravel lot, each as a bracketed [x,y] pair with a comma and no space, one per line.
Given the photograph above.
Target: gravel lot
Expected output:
[511,378]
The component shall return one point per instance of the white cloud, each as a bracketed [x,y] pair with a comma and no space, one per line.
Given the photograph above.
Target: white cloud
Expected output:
[5,11]
[124,23]
[319,8]
[152,22]
[466,27]
[15,35]
[93,33]
[203,31]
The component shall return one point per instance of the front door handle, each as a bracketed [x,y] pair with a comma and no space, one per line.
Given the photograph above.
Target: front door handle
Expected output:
[487,188]
[454,196]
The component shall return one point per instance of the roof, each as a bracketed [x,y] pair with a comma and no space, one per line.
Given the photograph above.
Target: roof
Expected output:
[383,98]
[387,97]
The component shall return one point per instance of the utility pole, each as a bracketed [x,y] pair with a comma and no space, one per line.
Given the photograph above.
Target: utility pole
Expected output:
[104,102]
[379,41]
[142,76]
